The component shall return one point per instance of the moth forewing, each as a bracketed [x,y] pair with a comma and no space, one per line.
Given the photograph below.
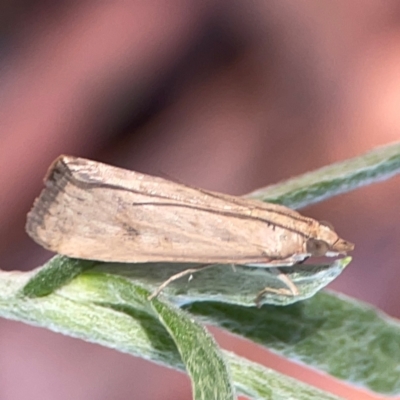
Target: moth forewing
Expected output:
[95,211]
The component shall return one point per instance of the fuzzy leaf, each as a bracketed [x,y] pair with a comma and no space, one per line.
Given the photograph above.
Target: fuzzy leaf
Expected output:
[375,166]
[112,311]
[329,332]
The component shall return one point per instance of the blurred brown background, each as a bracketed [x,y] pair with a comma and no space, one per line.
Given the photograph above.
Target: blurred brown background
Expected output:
[224,95]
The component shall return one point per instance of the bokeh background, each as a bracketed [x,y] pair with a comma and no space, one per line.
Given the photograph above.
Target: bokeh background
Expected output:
[224,95]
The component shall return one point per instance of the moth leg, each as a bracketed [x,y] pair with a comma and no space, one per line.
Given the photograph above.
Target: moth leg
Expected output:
[291,291]
[261,294]
[185,272]
[287,281]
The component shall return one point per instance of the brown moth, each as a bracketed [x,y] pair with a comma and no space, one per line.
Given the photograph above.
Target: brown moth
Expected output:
[95,211]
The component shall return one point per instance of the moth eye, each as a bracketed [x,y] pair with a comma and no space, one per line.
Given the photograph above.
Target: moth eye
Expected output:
[317,248]
[328,224]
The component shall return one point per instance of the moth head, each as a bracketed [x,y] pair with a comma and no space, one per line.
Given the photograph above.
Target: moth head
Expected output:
[326,242]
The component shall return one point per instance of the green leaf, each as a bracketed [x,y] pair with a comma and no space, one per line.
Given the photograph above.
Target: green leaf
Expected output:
[204,362]
[114,312]
[239,285]
[57,272]
[202,357]
[225,283]
[301,191]
[332,333]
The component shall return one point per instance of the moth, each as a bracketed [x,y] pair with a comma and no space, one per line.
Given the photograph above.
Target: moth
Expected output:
[99,212]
